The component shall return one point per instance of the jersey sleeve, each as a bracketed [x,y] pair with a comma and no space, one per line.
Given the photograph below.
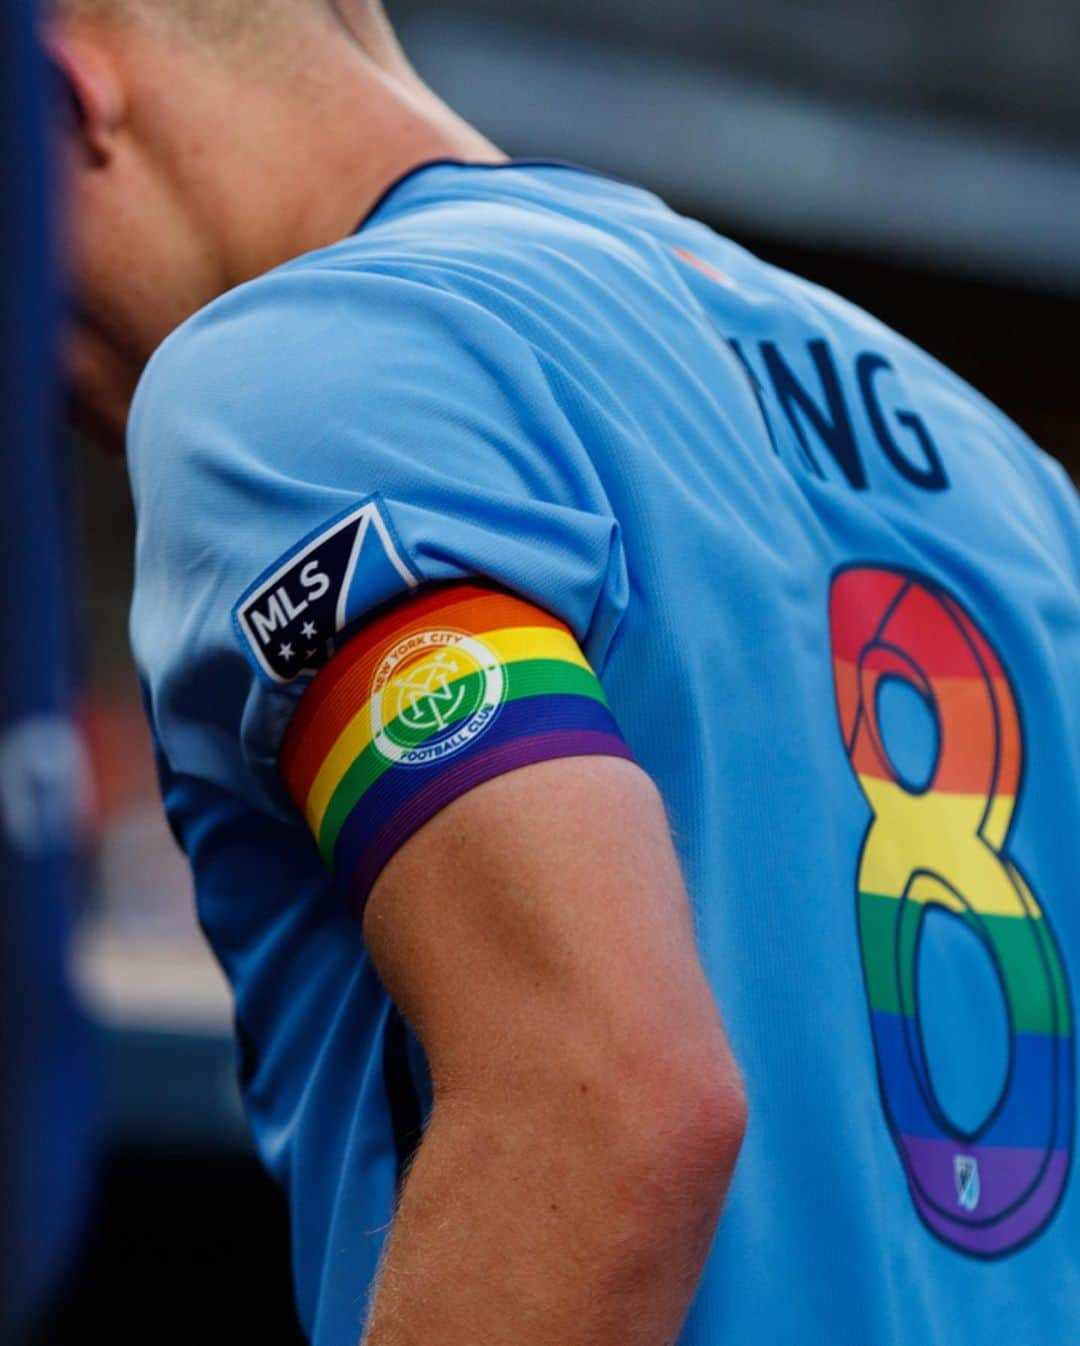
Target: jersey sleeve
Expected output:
[375,564]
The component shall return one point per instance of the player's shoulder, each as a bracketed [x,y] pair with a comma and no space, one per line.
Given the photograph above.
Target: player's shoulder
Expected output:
[362,332]
[438,275]
[277,362]
[312,319]
[410,263]
[500,241]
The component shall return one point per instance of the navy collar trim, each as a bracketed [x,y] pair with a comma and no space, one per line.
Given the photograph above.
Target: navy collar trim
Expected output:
[448,162]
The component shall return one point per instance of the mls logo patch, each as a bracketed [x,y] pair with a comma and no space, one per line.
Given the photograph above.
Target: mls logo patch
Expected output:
[968,1186]
[290,619]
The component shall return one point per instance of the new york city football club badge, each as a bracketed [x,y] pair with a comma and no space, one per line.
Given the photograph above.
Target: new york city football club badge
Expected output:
[290,619]
[435,693]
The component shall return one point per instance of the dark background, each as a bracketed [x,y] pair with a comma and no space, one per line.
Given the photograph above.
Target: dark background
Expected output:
[922,159]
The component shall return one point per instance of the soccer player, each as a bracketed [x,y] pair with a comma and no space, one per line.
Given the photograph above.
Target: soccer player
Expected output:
[563,635]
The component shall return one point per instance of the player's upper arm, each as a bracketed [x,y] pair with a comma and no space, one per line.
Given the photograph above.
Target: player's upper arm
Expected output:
[537,934]
[473,795]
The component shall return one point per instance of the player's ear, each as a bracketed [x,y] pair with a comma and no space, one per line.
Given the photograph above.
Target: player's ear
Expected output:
[88,91]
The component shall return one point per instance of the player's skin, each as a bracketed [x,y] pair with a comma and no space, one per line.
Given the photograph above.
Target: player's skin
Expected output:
[588,1113]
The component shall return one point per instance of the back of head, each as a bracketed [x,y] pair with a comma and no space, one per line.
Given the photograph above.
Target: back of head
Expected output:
[204,143]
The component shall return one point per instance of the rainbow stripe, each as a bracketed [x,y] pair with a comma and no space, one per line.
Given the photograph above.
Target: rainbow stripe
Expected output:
[946,846]
[451,689]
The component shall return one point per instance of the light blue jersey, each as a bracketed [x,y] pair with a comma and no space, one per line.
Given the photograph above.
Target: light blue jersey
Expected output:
[831,598]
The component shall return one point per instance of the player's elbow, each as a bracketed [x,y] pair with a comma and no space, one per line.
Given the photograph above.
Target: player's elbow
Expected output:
[691,1123]
[724,1113]
[656,1126]
[669,1149]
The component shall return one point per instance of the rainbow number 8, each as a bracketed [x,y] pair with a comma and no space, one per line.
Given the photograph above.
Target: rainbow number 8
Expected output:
[946,844]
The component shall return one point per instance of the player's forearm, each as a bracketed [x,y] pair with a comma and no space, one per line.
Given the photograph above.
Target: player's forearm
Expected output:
[559,1227]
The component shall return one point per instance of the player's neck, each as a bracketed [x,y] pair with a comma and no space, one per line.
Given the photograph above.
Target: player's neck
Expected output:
[382,128]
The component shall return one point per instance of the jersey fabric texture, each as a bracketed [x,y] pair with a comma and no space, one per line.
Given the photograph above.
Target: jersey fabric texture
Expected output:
[832,599]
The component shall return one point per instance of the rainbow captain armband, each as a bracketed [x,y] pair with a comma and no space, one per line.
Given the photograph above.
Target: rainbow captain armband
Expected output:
[448,690]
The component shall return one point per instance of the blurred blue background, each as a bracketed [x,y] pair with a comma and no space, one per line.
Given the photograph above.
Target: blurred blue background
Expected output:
[922,159]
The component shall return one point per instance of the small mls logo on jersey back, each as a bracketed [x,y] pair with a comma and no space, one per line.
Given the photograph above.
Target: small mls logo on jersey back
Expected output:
[290,620]
[968,1187]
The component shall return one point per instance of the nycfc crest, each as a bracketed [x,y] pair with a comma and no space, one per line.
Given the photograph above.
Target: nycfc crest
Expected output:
[434,694]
